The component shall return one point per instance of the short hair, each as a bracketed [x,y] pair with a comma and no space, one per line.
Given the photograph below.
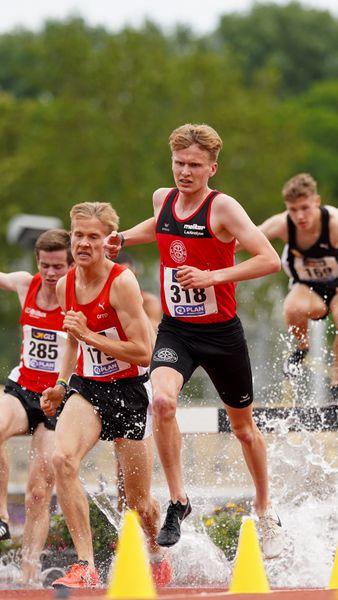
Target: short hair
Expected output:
[103,211]
[300,185]
[52,240]
[124,258]
[205,136]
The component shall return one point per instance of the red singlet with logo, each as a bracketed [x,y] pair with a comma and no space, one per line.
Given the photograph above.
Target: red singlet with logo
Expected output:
[191,242]
[43,343]
[101,318]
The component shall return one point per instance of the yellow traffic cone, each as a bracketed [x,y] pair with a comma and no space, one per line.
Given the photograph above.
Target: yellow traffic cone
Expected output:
[131,576]
[333,585]
[249,575]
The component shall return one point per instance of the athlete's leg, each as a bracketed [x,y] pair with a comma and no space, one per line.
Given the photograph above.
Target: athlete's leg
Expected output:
[300,305]
[121,492]
[254,452]
[166,384]
[77,431]
[13,421]
[136,460]
[227,362]
[334,310]
[38,494]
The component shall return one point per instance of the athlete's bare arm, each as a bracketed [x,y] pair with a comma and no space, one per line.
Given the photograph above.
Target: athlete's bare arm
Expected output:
[228,221]
[274,228]
[158,198]
[18,281]
[152,307]
[333,225]
[52,397]
[142,233]
[126,298]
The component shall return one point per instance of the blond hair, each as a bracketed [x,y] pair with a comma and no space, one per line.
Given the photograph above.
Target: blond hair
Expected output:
[53,240]
[205,136]
[103,211]
[300,185]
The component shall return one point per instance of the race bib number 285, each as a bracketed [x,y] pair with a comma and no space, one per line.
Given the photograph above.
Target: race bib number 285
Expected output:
[43,348]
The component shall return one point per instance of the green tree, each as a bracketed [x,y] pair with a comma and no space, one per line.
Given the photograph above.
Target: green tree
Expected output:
[318,118]
[300,43]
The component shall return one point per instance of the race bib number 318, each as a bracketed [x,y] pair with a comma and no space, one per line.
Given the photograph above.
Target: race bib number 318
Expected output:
[196,302]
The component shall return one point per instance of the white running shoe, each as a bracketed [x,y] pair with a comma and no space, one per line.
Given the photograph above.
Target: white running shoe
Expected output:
[273,539]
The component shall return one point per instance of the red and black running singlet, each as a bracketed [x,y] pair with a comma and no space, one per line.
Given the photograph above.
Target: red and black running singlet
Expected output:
[101,318]
[43,343]
[191,242]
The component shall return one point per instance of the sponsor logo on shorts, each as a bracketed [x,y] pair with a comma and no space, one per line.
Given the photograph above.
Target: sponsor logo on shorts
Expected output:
[45,335]
[41,365]
[107,369]
[245,398]
[178,251]
[185,310]
[165,355]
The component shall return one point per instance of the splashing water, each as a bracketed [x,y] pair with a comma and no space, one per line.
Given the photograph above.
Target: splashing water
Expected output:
[104,504]
[196,561]
[10,569]
[305,486]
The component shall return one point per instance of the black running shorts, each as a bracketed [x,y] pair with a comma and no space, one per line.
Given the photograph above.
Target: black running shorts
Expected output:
[326,292]
[123,404]
[31,403]
[220,348]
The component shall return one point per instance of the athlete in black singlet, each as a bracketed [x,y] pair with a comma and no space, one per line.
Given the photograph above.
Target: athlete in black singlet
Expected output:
[310,259]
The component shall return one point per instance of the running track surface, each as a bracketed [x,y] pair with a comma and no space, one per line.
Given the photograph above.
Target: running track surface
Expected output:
[177,594]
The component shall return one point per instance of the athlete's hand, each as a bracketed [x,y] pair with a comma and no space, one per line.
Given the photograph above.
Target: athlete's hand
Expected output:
[75,322]
[190,277]
[112,245]
[51,398]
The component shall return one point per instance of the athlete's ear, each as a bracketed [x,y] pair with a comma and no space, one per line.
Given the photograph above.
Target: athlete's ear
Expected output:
[317,200]
[213,169]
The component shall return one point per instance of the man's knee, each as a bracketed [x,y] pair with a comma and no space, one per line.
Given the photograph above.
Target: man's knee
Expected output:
[65,466]
[164,407]
[39,492]
[245,432]
[293,313]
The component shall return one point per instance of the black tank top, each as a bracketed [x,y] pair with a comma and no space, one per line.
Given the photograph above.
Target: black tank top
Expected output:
[317,264]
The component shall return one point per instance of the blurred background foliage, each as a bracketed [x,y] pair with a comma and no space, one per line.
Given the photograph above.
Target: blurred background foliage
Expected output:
[85,114]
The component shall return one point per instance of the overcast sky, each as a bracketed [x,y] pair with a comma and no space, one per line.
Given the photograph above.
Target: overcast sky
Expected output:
[200,15]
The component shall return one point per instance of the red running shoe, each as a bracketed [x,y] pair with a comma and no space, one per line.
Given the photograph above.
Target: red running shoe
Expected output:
[78,575]
[162,572]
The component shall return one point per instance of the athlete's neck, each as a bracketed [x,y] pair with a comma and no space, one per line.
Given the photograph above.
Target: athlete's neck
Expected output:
[186,204]
[94,275]
[46,297]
